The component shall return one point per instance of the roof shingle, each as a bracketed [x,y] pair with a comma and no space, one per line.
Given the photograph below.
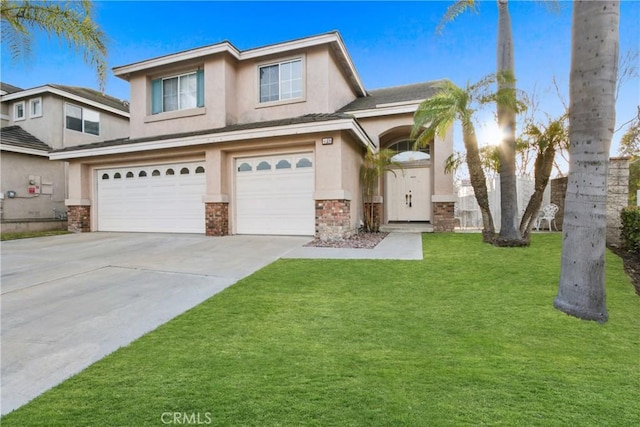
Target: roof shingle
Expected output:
[390,95]
[6,87]
[94,95]
[18,137]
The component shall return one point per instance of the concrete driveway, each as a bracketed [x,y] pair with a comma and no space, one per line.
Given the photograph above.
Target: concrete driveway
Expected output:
[67,301]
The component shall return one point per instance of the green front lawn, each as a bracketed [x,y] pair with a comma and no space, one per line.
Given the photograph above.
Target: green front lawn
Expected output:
[466,337]
[30,234]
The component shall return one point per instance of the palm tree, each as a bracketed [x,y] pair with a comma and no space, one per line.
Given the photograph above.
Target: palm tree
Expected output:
[594,67]
[374,165]
[436,115]
[545,140]
[509,231]
[69,20]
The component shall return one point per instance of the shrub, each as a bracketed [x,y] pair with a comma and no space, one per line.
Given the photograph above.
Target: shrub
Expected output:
[630,234]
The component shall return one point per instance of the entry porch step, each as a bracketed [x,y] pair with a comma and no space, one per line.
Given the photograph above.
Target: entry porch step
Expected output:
[407,227]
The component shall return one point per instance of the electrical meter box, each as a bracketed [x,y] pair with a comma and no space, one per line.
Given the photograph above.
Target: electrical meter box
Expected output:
[35,184]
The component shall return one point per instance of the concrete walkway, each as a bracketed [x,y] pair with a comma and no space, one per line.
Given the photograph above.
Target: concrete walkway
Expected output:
[400,246]
[67,301]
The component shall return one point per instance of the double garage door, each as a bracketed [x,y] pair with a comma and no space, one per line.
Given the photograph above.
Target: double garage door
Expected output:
[273,195]
[160,198]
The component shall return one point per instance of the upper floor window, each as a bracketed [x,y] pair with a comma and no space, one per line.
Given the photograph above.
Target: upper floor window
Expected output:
[281,81]
[35,107]
[18,111]
[177,92]
[82,119]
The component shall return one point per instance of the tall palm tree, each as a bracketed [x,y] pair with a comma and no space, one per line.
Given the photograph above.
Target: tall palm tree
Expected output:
[436,115]
[69,20]
[509,230]
[594,67]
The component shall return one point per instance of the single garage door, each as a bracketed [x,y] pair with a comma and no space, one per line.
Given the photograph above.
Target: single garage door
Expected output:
[160,198]
[274,195]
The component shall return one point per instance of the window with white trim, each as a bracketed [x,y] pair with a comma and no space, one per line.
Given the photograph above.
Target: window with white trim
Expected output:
[82,119]
[281,81]
[179,92]
[18,111]
[35,107]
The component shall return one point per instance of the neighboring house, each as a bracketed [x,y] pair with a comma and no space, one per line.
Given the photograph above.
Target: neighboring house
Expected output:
[35,121]
[262,141]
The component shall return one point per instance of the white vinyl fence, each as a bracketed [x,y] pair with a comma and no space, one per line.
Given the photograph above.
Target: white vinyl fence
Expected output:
[467,210]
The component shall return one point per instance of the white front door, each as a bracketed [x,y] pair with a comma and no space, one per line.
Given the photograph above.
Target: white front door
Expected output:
[408,195]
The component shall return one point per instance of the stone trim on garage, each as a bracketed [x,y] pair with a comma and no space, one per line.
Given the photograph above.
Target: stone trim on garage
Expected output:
[217,219]
[79,219]
[333,219]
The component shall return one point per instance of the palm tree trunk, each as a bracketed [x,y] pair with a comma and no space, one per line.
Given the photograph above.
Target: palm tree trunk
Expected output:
[478,179]
[594,59]
[542,171]
[509,231]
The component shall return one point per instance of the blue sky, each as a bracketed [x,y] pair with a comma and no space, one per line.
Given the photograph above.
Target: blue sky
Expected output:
[391,43]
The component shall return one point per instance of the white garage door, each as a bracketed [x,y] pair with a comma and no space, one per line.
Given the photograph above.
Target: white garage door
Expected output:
[274,195]
[161,198]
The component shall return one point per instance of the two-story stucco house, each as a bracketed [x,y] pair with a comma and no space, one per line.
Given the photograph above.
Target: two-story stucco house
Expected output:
[35,121]
[261,141]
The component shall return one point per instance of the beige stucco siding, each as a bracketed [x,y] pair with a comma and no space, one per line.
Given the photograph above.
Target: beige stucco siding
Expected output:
[230,91]
[16,170]
[379,127]
[441,150]
[352,153]
[50,128]
[322,92]
[338,89]
[212,115]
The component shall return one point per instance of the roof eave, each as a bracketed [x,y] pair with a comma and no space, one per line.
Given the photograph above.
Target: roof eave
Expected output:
[333,38]
[23,150]
[60,92]
[125,71]
[387,110]
[347,124]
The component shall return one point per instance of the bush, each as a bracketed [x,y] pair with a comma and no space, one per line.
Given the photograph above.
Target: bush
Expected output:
[630,234]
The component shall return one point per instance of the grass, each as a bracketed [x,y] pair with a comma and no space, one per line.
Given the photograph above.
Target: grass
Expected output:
[30,234]
[466,337]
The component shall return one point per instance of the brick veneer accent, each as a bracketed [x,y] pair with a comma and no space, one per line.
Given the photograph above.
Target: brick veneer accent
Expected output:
[377,213]
[79,219]
[333,219]
[217,219]
[443,217]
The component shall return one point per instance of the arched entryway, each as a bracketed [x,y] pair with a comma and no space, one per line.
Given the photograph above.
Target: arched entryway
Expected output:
[408,188]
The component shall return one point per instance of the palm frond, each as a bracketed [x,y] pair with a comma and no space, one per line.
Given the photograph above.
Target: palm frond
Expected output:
[455,10]
[70,21]
[453,162]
